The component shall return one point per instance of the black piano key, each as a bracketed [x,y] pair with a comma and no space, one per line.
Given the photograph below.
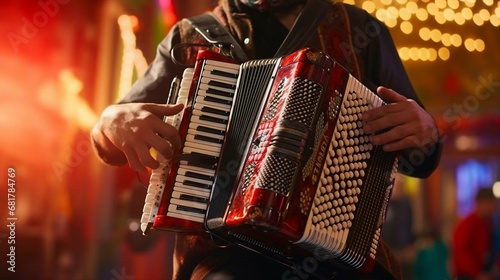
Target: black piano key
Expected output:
[190,209]
[199,176]
[210,130]
[221,84]
[196,185]
[193,198]
[214,111]
[224,74]
[220,92]
[208,139]
[200,160]
[212,119]
[217,100]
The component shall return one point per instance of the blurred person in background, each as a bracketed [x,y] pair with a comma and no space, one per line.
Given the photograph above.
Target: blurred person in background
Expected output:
[432,257]
[472,241]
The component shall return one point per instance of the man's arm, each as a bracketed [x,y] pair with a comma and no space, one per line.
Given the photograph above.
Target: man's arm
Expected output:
[126,131]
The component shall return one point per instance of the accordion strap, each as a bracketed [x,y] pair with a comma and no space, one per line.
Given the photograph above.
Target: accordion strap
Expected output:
[211,29]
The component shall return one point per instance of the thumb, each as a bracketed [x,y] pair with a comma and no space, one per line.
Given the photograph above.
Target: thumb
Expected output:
[389,95]
[161,110]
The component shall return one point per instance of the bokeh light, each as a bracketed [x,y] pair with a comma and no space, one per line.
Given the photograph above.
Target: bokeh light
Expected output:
[412,15]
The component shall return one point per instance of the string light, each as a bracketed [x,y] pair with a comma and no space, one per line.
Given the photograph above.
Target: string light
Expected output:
[404,14]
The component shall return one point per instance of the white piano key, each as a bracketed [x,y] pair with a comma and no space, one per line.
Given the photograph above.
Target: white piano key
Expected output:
[178,194]
[192,204]
[204,193]
[175,213]
[221,64]
[182,179]
[225,91]
[229,83]
[182,186]
[217,106]
[196,119]
[215,100]
[188,150]
[191,139]
[206,134]
[183,168]
[203,92]
[202,148]
[209,76]
[213,115]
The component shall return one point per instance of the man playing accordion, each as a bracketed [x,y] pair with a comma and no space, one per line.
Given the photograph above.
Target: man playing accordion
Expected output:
[126,131]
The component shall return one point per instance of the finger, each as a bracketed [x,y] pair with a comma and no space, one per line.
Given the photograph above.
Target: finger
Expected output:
[401,144]
[389,95]
[161,110]
[382,111]
[133,160]
[162,146]
[385,121]
[146,158]
[169,133]
[395,134]
[395,104]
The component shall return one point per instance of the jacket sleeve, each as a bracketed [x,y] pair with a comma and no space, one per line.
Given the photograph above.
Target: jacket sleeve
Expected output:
[382,66]
[154,85]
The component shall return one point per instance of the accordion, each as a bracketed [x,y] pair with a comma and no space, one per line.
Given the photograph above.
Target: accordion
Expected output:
[275,159]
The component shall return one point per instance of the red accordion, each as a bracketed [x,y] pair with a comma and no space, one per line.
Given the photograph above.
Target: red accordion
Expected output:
[275,159]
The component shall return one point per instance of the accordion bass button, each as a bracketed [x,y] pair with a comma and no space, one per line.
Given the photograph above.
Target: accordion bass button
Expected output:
[324,181]
[330,198]
[329,205]
[330,182]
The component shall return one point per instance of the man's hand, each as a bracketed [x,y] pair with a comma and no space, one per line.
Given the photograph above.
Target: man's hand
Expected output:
[133,129]
[410,126]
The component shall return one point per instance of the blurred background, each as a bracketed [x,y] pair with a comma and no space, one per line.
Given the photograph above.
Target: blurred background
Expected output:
[63,61]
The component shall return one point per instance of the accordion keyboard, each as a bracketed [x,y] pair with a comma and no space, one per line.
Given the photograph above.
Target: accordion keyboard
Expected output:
[203,142]
[157,180]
